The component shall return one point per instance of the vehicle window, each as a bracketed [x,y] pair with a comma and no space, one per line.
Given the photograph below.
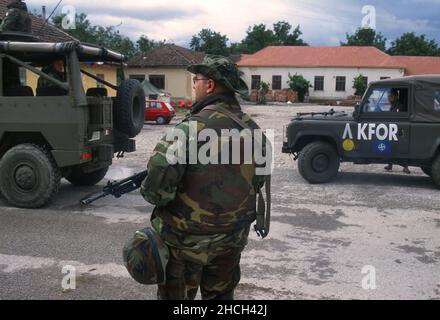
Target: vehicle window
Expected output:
[387,100]
[437,101]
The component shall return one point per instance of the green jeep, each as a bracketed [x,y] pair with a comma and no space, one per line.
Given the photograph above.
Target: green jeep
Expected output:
[60,130]
[397,122]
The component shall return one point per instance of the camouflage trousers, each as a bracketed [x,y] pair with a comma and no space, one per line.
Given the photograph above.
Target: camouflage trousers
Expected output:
[216,273]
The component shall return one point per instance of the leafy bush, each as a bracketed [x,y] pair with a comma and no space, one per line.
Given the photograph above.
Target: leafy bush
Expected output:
[360,85]
[299,84]
[263,89]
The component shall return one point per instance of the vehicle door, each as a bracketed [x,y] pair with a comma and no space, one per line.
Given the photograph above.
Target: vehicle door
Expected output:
[383,128]
[150,111]
[425,124]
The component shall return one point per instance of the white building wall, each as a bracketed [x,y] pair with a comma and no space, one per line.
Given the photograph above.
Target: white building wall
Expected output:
[329,75]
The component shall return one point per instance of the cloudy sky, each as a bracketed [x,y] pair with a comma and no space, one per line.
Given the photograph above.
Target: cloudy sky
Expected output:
[322,22]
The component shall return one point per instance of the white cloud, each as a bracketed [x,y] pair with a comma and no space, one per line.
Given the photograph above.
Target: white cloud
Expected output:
[322,22]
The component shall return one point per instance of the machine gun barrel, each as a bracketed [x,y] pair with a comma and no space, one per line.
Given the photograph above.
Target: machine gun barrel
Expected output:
[118,188]
[331,112]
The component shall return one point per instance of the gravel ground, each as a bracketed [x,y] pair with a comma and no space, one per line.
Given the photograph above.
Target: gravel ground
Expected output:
[367,227]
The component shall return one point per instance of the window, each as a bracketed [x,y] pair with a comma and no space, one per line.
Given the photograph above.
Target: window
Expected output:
[437,101]
[99,84]
[255,82]
[387,100]
[319,83]
[158,81]
[138,77]
[340,83]
[276,82]
[154,105]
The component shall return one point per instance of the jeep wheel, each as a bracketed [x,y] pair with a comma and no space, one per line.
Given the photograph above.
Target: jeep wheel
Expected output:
[318,162]
[426,170]
[161,120]
[29,176]
[435,171]
[129,108]
[79,178]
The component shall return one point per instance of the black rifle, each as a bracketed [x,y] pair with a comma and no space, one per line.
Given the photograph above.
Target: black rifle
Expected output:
[331,112]
[118,188]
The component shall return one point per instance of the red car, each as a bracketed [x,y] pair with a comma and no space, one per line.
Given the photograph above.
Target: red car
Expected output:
[159,111]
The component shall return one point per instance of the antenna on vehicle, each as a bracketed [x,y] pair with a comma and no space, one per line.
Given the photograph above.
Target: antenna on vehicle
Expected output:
[45,22]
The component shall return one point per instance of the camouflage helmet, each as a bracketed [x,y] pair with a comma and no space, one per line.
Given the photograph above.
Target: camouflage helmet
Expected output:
[146,256]
[223,71]
[17,4]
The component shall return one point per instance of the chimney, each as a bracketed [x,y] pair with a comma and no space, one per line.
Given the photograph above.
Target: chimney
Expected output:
[44,12]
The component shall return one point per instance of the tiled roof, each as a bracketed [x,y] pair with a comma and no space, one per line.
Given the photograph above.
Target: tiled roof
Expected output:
[313,57]
[45,31]
[168,55]
[419,65]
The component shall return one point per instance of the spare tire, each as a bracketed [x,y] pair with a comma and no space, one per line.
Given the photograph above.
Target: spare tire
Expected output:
[129,108]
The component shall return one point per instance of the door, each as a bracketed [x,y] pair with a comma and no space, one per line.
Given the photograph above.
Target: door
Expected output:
[384,129]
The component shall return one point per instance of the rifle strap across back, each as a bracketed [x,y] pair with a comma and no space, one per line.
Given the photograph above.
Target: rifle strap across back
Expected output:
[263,209]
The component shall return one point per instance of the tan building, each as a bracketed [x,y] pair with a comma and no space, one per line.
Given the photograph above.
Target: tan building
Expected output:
[165,67]
[49,33]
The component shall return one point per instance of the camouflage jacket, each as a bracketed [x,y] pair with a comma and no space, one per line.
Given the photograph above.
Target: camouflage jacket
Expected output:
[43,83]
[203,199]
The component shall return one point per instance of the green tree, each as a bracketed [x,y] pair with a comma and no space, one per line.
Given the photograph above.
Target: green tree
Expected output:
[84,30]
[258,37]
[108,37]
[237,48]
[366,37]
[299,84]
[210,42]
[263,89]
[284,36]
[360,85]
[143,45]
[410,44]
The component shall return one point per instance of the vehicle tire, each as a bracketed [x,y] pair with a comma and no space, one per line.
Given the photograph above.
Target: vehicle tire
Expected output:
[161,120]
[435,171]
[129,108]
[29,176]
[79,178]
[426,170]
[318,162]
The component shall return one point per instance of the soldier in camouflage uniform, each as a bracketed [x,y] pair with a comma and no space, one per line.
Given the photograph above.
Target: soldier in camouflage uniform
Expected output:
[56,70]
[17,18]
[204,212]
